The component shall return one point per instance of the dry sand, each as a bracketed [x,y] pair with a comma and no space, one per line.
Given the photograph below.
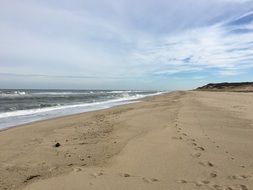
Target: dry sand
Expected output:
[180,140]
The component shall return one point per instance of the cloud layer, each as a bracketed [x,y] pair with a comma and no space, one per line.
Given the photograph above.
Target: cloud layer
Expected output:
[128,44]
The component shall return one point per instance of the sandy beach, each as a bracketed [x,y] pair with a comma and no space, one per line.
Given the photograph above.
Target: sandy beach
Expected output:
[175,141]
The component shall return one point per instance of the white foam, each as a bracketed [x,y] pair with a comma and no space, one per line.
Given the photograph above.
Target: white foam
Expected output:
[118,92]
[60,93]
[13,118]
[13,94]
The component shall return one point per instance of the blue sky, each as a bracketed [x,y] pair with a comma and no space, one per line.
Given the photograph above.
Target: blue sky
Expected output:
[125,44]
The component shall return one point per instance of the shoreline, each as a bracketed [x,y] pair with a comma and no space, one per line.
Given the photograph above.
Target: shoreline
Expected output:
[64,116]
[191,140]
[120,103]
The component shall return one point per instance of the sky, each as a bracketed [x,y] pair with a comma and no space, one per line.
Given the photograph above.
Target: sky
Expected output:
[125,44]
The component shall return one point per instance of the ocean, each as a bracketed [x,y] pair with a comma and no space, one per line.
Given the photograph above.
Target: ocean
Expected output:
[19,106]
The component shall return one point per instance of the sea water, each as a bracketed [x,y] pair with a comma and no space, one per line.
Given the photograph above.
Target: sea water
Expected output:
[19,106]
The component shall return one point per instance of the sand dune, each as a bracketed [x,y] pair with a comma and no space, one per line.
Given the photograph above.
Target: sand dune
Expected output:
[179,140]
[228,87]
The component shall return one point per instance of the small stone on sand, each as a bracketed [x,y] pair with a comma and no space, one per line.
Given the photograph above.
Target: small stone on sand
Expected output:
[57,145]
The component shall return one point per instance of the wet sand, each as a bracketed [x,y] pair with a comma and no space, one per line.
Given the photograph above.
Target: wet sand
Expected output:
[180,140]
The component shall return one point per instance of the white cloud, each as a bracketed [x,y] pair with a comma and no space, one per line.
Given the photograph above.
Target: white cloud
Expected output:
[125,38]
[211,47]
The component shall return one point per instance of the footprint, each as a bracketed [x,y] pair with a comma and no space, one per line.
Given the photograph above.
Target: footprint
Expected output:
[205,182]
[234,187]
[149,180]
[177,138]
[154,179]
[200,148]
[97,174]
[210,164]
[196,155]
[125,175]
[242,187]
[202,183]
[229,188]
[77,169]
[182,181]
[239,176]
[213,174]
[193,140]
[206,164]
[232,177]
[237,187]
[217,187]
[198,184]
